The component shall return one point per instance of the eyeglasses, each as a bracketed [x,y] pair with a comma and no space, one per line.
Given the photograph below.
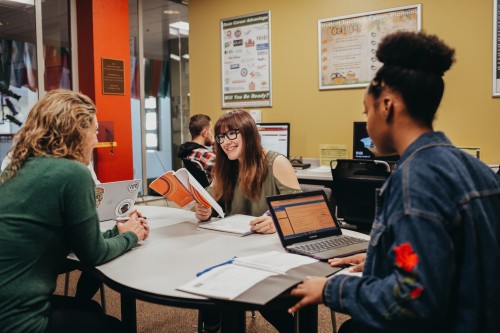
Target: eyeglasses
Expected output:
[231,135]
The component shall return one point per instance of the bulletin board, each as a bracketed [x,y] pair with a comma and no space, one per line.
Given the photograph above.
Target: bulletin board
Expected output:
[246,60]
[347,44]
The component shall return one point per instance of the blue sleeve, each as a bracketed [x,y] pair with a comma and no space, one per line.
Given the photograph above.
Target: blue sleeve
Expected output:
[416,287]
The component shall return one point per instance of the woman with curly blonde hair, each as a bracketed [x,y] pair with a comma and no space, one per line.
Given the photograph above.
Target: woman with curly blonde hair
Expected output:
[47,210]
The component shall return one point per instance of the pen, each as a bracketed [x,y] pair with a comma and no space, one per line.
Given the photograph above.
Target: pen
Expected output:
[267,212]
[230,261]
[126,218]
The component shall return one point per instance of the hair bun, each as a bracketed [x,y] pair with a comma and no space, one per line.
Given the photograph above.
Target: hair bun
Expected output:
[415,51]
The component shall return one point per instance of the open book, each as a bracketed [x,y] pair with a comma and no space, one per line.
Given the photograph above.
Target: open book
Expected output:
[256,279]
[183,189]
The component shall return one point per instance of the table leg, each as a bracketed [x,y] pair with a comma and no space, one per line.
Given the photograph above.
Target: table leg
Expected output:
[233,321]
[129,314]
[307,319]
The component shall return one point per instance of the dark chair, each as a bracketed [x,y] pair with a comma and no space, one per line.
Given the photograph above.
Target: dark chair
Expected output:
[196,169]
[311,187]
[355,183]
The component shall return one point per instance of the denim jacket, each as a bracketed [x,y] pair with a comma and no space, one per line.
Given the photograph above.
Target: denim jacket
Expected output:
[433,264]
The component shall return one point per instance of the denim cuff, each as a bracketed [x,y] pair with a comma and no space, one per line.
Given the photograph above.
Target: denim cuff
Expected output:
[332,292]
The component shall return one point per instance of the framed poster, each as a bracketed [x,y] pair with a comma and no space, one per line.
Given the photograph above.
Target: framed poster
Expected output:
[496,50]
[246,60]
[347,44]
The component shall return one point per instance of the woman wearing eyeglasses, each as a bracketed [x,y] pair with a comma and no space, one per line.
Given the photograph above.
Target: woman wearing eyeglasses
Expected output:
[244,174]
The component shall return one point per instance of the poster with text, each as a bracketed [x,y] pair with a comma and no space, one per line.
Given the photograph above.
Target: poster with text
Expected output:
[347,44]
[246,60]
[496,49]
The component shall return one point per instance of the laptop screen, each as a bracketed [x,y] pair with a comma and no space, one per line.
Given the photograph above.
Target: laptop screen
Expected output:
[302,215]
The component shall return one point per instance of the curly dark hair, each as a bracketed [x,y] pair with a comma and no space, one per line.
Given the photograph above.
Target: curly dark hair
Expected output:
[413,65]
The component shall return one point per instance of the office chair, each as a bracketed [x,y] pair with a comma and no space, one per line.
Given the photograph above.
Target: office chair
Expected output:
[355,183]
[196,169]
[310,188]
[66,287]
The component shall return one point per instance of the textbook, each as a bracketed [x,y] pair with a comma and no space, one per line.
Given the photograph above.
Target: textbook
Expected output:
[256,279]
[183,189]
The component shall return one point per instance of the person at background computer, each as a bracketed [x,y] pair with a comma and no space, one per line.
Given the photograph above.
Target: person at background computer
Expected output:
[47,210]
[244,174]
[200,147]
[434,261]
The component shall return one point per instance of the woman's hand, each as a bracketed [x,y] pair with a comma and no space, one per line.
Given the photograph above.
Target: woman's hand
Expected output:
[357,260]
[311,291]
[262,225]
[202,213]
[136,224]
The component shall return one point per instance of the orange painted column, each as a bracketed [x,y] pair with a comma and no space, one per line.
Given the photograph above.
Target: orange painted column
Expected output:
[103,32]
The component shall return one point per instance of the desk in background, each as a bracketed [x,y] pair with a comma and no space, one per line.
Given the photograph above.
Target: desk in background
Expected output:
[175,251]
[315,174]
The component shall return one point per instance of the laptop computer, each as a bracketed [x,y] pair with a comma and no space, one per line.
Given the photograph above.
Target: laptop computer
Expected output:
[306,225]
[116,199]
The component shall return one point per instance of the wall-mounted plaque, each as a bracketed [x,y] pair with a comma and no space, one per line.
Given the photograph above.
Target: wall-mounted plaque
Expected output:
[113,77]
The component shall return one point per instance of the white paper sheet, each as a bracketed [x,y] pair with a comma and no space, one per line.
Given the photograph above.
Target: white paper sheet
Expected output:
[225,282]
[274,261]
[238,224]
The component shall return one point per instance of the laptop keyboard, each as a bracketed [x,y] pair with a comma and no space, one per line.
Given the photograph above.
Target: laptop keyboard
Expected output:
[329,243]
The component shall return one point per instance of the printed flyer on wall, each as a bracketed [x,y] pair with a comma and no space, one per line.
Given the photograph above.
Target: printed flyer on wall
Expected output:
[496,49]
[246,60]
[347,44]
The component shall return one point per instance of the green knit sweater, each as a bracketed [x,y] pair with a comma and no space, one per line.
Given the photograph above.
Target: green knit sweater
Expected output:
[47,210]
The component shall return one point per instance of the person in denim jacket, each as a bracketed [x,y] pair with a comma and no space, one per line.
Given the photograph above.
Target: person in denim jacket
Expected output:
[433,263]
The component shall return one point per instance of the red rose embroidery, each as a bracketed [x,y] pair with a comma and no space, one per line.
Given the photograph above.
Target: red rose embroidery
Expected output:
[416,292]
[406,258]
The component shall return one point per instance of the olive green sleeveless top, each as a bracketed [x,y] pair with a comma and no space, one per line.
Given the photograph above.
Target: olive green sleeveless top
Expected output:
[270,186]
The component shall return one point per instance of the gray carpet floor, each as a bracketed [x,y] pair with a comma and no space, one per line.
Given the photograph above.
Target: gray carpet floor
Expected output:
[153,318]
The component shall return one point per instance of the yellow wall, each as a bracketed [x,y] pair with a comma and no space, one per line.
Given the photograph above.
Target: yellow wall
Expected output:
[469,115]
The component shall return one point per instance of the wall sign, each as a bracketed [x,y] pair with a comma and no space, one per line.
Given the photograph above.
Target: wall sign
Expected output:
[113,77]
[246,60]
[496,49]
[347,44]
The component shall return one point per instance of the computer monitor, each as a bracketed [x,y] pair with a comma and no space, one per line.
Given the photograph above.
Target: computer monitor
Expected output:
[275,137]
[363,146]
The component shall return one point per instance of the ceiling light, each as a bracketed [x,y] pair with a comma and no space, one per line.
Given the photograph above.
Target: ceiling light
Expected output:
[179,28]
[170,12]
[186,56]
[175,57]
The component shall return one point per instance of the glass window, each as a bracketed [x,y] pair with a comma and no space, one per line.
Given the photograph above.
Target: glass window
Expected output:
[166,84]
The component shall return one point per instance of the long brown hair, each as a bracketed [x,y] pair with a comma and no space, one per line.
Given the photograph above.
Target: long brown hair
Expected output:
[56,126]
[252,171]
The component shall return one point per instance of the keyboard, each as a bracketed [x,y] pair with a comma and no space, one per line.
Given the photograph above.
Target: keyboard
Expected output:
[329,244]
